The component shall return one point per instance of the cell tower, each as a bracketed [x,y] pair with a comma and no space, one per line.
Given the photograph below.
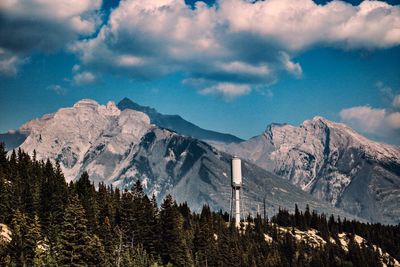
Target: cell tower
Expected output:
[236,175]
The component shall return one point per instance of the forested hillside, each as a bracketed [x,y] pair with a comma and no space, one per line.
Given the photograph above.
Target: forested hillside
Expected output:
[46,222]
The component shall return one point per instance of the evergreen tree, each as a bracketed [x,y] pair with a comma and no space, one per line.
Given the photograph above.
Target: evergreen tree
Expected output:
[126,218]
[204,242]
[87,195]
[5,198]
[95,254]
[108,240]
[129,230]
[174,248]
[34,238]
[73,236]
[19,246]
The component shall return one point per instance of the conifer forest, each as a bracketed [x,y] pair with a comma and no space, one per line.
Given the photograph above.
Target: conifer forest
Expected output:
[45,221]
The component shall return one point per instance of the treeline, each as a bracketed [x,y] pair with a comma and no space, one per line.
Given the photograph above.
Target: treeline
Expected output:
[53,223]
[387,237]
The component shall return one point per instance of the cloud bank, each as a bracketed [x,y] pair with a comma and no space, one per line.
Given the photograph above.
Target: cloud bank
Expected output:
[228,48]
[378,122]
[233,42]
[42,26]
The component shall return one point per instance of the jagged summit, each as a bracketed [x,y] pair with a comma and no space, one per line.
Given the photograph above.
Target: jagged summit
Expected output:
[126,103]
[318,127]
[326,159]
[178,124]
[332,162]
[119,147]
[68,134]
[86,102]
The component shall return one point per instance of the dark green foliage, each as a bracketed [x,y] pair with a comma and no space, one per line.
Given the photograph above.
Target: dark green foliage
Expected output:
[174,247]
[87,195]
[204,241]
[55,224]
[73,236]
[19,244]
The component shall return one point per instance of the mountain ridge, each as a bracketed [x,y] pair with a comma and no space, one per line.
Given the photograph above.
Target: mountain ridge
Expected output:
[119,147]
[178,124]
[332,162]
[327,160]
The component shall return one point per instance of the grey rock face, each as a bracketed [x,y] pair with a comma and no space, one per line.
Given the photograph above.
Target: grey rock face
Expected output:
[177,124]
[118,147]
[195,172]
[333,163]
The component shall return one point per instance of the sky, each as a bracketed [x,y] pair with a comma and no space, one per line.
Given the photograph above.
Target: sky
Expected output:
[228,65]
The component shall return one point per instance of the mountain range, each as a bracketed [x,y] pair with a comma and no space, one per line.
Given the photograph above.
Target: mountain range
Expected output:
[321,163]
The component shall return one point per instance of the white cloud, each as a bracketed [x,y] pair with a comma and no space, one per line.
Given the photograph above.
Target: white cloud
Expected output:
[76,68]
[385,90]
[377,122]
[228,90]
[9,63]
[84,78]
[290,66]
[380,123]
[364,118]
[58,89]
[244,68]
[128,60]
[396,101]
[299,24]
[43,25]
[234,41]
[393,120]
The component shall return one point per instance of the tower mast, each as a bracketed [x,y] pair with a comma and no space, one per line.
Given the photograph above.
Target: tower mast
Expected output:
[236,176]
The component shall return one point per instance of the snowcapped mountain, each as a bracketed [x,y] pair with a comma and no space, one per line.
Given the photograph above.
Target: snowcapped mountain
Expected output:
[119,147]
[177,124]
[333,163]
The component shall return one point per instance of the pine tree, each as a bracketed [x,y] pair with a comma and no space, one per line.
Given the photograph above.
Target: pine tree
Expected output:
[139,220]
[87,195]
[5,187]
[95,254]
[228,252]
[34,250]
[5,198]
[126,219]
[19,246]
[105,204]
[53,197]
[204,243]
[108,239]
[174,248]
[73,236]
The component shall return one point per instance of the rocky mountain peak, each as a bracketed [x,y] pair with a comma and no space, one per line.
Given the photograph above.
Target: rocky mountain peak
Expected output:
[332,162]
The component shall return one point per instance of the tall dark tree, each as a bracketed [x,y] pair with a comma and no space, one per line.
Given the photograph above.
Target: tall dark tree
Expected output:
[87,195]
[19,246]
[73,240]
[34,238]
[126,218]
[174,248]
[204,242]
[128,229]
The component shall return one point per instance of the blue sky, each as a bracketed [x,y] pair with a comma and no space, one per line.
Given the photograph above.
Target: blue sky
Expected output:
[225,66]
